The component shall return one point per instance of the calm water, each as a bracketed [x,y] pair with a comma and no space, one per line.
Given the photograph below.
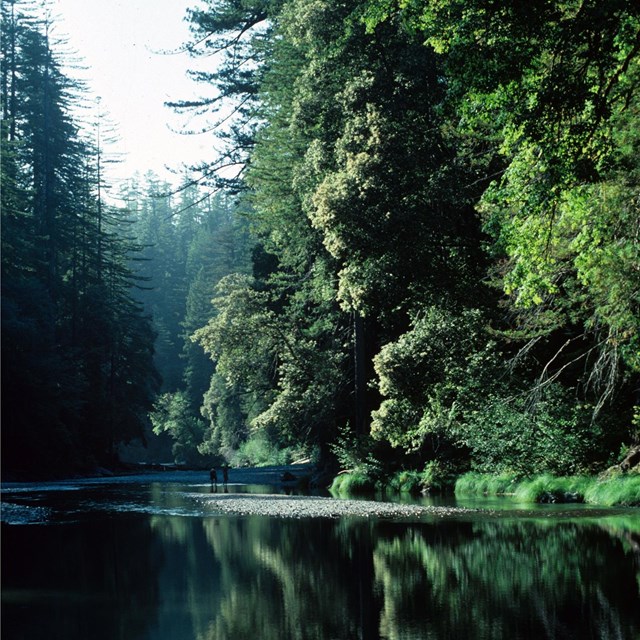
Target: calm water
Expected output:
[138,558]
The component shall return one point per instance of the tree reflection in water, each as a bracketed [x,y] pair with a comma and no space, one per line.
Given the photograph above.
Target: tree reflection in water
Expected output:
[357,579]
[272,579]
[162,577]
[499,580]
[93,579]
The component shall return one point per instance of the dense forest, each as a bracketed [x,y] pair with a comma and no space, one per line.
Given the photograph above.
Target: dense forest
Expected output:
[418,248]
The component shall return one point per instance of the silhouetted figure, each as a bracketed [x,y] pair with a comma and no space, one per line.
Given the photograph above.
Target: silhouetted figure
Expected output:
[214,479]
[225,474]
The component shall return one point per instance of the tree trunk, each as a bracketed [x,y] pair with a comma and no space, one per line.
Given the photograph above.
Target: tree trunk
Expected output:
[360,351]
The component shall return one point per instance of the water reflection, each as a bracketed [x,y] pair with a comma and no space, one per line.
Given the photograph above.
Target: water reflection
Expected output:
[154,576]
[507,580]
[256,577]
[95,580]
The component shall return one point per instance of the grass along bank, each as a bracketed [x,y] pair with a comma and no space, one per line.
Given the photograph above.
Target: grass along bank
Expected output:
[435,478]
[619,490]
[614,490]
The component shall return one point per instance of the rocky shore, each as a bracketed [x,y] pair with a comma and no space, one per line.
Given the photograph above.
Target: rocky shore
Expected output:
[284,506]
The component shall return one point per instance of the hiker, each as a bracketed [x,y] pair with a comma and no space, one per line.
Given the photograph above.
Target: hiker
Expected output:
[225,474]
[214,479]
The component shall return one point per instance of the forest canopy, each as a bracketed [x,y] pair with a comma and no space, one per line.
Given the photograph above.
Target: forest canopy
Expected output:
[426,252]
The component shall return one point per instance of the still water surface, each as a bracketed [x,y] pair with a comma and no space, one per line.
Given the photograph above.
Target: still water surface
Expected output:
[138,558]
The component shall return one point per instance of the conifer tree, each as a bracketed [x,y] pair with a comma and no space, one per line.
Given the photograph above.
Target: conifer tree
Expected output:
[77,370]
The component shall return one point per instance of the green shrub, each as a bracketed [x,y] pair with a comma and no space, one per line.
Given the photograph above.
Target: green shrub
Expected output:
[336,485]
[258,451]
[354,482]
[548,488]
[405,482]
[434,478]
[554,435]
[172,414]
[438,476]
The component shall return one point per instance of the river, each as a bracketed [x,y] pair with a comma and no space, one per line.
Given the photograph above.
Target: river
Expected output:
[151,557]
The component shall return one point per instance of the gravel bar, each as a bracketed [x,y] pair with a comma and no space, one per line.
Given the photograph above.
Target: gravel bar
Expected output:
[283,506]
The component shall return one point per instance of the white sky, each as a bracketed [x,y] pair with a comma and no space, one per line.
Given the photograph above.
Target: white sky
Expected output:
[119,41]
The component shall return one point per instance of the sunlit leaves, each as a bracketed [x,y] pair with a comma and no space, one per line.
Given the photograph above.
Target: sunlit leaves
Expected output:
[572,249]
[279,357]
[429,374]
[559,81]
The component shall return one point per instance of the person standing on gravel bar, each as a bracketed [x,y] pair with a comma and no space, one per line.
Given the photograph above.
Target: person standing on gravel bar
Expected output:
[225,473]
[213,476]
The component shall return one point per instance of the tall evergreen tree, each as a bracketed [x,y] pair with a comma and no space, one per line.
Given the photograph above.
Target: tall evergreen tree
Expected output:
[77,371]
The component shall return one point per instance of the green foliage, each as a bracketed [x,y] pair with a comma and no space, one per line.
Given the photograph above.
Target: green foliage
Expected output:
[547,95]
[474,483]
[361,471]
[351,450]
[430,375]
[389,208]
[564,212]
[172,414]
[259,451]
[272,361]
[548,488]
[575,259]
[437,477]
[405,482]
[624,490]
[635,422]
[531,435]
[190,244]
[374,167]
[444,383]
[243,318]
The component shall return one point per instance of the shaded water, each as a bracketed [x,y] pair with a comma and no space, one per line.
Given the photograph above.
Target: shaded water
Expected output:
[139,558]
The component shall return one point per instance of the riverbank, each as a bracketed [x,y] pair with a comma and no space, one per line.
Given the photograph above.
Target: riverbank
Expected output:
[613,490]
[622,490]
[302,472]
